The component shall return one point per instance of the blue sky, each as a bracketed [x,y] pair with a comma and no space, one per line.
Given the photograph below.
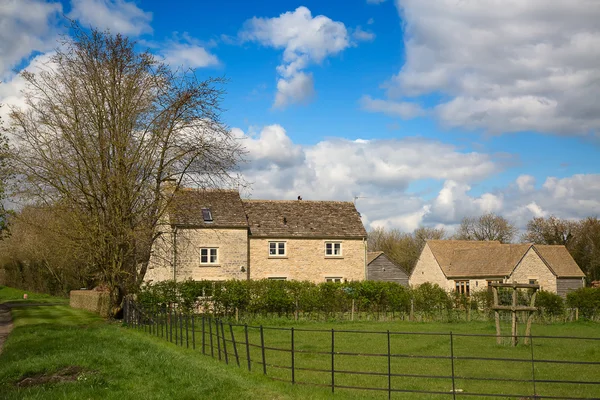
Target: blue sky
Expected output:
[427,111]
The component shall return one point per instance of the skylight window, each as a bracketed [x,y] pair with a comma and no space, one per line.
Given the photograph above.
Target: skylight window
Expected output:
[207,215]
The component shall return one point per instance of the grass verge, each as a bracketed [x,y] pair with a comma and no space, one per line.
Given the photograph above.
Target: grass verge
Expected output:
[58,352]
[8,294]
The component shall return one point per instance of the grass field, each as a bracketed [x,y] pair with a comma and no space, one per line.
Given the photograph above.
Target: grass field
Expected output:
[56,352]
[16,296]
[313,350]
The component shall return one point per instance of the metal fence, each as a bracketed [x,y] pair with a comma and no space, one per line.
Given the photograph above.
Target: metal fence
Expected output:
[401,364]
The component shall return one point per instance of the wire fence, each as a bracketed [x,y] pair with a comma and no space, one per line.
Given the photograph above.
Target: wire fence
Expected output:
[394,364]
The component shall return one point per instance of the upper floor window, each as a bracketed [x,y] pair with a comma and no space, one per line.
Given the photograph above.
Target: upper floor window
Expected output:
[277,249]
[207,215]
[209,255]
[333,249]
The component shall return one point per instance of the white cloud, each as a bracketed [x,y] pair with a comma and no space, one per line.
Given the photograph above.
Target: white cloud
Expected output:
[120,16]
[11,90]
[305,40]
[382,175]
[298,89]
[187,52]
[505,66]
[371,21]
[526,183]
[26,26]
[404,110]
[361,35]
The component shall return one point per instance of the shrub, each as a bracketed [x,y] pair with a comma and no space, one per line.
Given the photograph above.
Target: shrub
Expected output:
[549,303]
[587,300]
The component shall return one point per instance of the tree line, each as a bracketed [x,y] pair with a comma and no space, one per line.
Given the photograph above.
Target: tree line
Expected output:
[581,237]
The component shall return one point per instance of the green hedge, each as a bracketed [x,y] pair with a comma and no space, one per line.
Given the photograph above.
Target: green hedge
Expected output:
[587,300]
[286,297]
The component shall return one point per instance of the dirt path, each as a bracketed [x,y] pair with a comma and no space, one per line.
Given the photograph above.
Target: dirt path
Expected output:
[6,324]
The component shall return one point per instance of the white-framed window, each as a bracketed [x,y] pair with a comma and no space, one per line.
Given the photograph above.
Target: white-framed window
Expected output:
[209,255]
[277,278]
[463,287]
[277,249]
[334,279]
[333,249]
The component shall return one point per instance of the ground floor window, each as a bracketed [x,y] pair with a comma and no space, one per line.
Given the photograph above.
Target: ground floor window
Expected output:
[462,287]
[277,278]
[334,279]
[533,281]
[209,255]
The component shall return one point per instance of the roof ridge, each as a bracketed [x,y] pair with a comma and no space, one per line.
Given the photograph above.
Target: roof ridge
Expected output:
[295,201]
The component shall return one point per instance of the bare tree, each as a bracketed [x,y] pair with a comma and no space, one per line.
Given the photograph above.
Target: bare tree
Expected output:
[486,227]
[5,174]
[551,230]
[403,248]
[104,126]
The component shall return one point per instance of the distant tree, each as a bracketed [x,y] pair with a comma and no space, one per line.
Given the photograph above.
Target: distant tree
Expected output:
[403,248]
[551,230]
[5,174]
[486,227]
[105,126]
[585,248]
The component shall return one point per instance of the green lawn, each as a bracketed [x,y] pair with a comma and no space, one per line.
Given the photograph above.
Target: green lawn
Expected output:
[93,359]
[433,341]
[16,296]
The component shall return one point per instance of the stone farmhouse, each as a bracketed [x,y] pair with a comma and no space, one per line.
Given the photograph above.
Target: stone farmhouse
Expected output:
[381,268]
[467,266]
[215,235]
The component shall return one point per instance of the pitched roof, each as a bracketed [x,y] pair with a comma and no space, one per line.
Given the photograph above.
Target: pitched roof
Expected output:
[225,206]
[462,258]
[560,261]
[494,260]
[302,218]
[372,255]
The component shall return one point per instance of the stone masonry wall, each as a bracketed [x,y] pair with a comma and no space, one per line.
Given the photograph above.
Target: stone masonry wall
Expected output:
[532,267]
[305,260]
[232,254]
[428,270]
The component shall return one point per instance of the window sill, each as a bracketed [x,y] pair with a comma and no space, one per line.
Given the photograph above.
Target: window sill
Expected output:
[278,257]
[334,257]
[210,265]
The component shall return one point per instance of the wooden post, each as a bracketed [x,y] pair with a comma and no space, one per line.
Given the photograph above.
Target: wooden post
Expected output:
[296,312]
[247,347]
[412,310]
[352,314]
[577,314]
[497,316]
[514,318]
[530,318]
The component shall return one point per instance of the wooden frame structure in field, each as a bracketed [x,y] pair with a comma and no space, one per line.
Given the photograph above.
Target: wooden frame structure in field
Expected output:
[514,308]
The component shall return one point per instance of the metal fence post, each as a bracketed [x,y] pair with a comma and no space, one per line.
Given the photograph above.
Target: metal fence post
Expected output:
[389,357]
[452,362]
[247,347]
[224,343]
[262,348]
[187,335]
[210,337]
[235,352]
[293,361]
[218,339]
[193,334]
[171,326]
[532,367]
[180,329]
[332,361]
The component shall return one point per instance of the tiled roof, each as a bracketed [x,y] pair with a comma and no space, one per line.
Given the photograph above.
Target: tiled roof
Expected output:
[302,218]
[372,255]
[560,261]
[462,258]
[225,206]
